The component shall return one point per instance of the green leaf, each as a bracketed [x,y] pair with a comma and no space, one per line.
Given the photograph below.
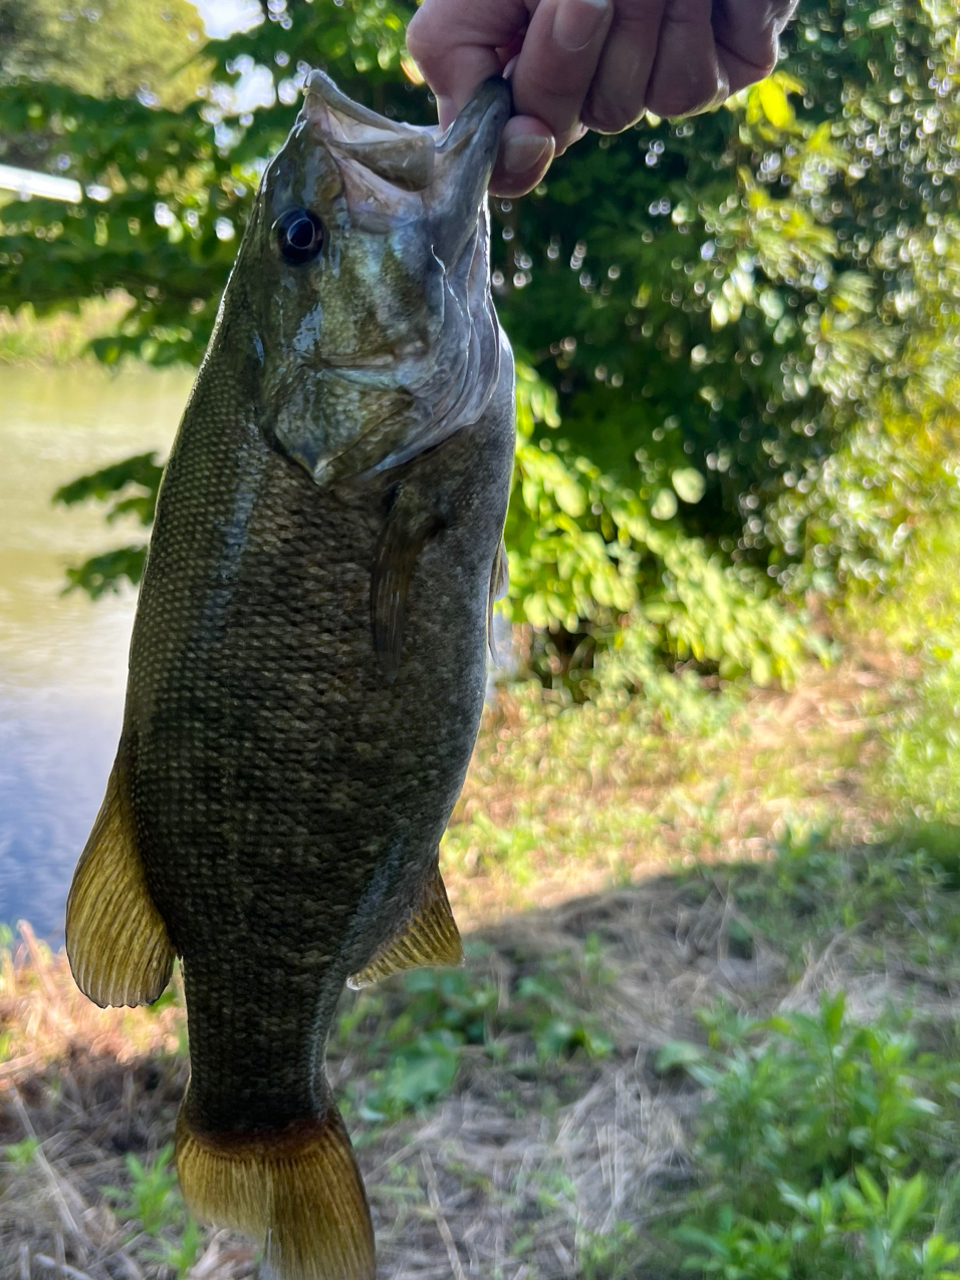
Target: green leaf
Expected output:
[664,505]
[689,484]
[775,103]
[678,1054]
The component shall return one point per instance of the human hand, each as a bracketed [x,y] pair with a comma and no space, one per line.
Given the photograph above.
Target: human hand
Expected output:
[590,64]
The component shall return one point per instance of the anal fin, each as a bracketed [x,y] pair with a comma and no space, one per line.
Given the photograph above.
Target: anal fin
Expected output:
[431,937]
[117,943]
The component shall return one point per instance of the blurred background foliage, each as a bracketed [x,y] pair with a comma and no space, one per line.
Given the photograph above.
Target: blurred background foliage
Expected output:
[737,333]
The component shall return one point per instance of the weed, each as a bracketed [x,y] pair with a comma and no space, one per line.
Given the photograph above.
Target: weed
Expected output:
[415,1055]
[821,1095]
[920,770]
[922,766]
[810,1140]
[21,1154]
[607,1255]
[817,884]
[850,1229]
[153,1204]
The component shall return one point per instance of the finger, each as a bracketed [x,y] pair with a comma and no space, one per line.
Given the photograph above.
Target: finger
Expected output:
[526,150]
[747,40]
[456,45]
[557,62]
[687,74]
[618,94]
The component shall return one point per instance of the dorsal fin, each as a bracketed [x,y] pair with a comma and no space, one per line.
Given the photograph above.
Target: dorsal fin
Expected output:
[430,937]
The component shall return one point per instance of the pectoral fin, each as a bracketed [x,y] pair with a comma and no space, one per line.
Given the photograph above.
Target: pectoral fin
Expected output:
[431,937]
[499,582]
[403,539]
[116,942]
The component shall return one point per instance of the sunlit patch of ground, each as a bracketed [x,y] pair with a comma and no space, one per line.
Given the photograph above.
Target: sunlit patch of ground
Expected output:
[561,801]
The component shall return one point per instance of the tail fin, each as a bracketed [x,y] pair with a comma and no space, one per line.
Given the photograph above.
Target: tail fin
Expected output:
[297,1191]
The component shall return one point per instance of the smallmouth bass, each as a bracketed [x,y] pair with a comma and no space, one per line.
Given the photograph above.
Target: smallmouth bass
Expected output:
[308,659]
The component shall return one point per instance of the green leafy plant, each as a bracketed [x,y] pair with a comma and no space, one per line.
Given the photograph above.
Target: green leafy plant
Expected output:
[849,1229]
[151,1201]
[21,1154]
[607,1255]
[900,885]
[811,1132]
[445,1013]
[742,326]
[588,558]
[130,488]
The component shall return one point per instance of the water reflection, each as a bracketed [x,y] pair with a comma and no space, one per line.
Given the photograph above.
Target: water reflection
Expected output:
[62,659]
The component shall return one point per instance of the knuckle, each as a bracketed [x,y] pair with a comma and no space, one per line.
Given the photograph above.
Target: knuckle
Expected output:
[683,100]
[424,39]
[607,117]
[606,114]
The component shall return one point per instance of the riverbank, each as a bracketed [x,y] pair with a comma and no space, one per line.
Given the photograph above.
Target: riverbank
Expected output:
[62,658]
[61,338]
[596,1079]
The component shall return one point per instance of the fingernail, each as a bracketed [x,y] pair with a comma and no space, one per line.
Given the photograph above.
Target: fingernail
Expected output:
[508,69]
[525,152]
[576,22]
[446,112]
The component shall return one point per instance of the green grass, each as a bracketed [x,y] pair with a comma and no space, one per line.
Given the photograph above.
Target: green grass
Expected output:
[827,1150]
[150,1204]
[419,1030]
[920,769]
[898,892]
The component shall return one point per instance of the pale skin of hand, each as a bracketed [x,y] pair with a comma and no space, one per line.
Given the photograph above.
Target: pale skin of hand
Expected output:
[590,64]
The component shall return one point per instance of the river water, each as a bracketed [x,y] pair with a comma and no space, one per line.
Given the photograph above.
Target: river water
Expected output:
[62,658]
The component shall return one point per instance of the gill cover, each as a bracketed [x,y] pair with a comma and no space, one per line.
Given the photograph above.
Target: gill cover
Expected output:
[385,342]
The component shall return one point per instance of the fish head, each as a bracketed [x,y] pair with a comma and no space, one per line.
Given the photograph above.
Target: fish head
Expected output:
[365,273]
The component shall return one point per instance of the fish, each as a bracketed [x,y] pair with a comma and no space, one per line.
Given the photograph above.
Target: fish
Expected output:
[308,661]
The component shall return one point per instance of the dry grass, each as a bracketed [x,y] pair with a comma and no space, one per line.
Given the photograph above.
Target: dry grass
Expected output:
[510,1176]
[488,1184]
[45,1015]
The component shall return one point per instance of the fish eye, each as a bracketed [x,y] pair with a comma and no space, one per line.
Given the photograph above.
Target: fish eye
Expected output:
[299,235]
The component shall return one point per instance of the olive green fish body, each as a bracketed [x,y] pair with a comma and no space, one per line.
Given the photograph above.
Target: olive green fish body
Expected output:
[289,800]
[309,656]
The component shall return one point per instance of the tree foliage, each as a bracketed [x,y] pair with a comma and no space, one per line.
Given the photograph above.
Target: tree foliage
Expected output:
[739,331]
[115,48]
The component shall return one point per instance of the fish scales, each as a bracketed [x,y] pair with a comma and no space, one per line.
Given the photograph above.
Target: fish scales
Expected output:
[273,722]
[309,656]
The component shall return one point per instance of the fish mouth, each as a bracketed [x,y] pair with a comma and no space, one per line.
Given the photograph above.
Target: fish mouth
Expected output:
[466,154]
[403,171]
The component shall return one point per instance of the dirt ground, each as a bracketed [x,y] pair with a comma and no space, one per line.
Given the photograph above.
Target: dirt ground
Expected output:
[492,1181]
[525,1169]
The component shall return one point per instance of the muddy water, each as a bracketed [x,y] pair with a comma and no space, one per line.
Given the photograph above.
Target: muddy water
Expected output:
[62,658]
